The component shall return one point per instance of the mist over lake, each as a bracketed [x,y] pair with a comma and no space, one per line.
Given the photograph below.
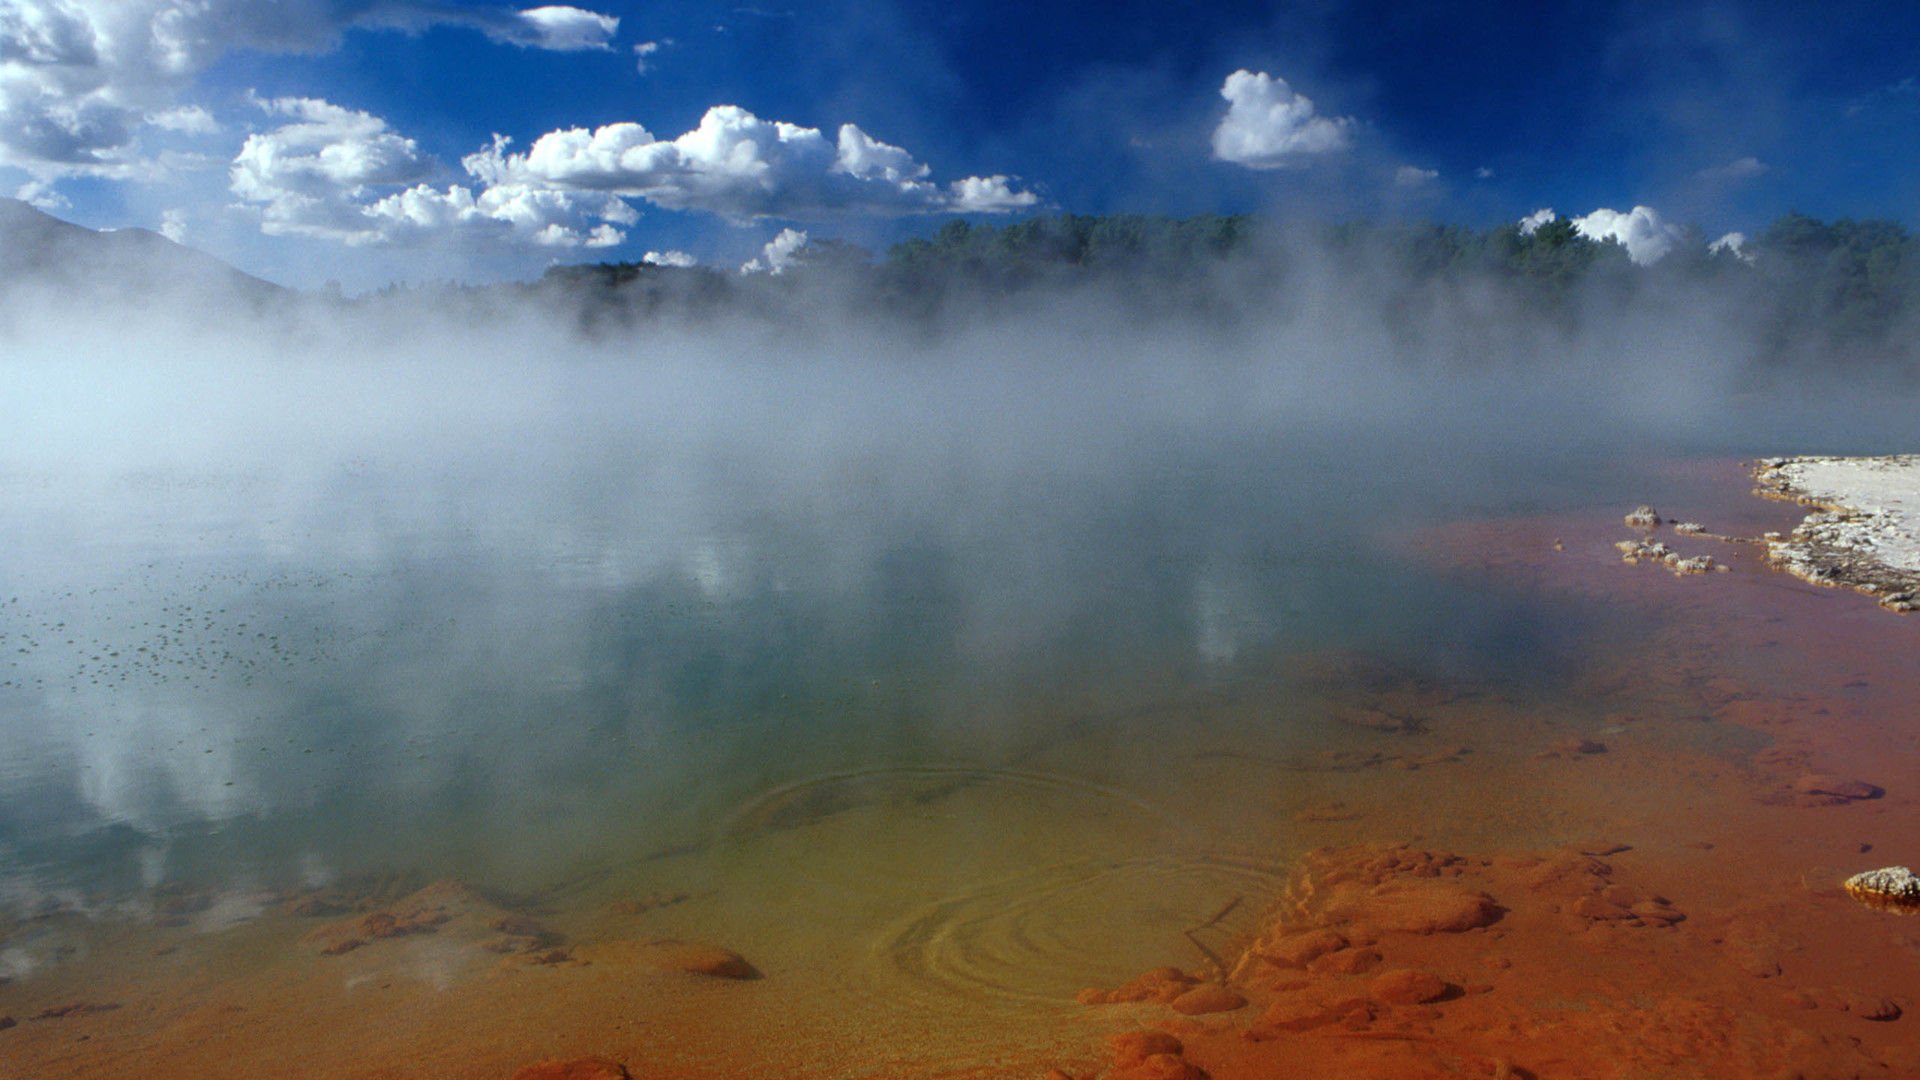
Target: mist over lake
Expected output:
[498,599]
[491,589]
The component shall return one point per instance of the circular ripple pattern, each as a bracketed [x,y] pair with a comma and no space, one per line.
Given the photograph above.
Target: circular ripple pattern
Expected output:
[920,831]
[1041,937]
[816,798]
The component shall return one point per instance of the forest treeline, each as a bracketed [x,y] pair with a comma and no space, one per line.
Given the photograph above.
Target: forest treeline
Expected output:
[1847,289]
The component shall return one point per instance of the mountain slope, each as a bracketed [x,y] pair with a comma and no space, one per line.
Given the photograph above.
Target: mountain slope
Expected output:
[40,250]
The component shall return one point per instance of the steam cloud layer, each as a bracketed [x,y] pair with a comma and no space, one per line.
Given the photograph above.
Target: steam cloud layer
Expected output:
[314,562]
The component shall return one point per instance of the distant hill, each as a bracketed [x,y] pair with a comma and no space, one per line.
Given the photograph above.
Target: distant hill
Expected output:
[38,250]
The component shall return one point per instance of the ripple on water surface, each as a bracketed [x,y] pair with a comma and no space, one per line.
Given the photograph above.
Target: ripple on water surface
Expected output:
[1001,889]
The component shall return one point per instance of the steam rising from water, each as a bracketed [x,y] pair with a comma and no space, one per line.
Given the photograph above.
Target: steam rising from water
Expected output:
[341,587]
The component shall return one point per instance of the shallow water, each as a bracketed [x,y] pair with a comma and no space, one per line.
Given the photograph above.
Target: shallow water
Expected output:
[938,727]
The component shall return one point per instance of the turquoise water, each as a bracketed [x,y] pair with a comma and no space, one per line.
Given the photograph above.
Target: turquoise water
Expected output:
[209,696]
[265,623]
[941,686]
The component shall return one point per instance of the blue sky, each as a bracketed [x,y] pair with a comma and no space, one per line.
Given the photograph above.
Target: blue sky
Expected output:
[355,139]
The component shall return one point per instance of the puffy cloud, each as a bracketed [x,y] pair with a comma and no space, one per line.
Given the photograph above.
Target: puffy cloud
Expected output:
[864,157]
[1645,235]
[81,79]
[306,175]
[327,146]
[1734,244]
[987,195]
[669,258]
[535,216]
[1269,126]
[742,167]
[780,253]
[1413,176]
[340,174]
[1483,173]
[1532,222]
[173,226]
[1642,231]
[332,171]
[552,27]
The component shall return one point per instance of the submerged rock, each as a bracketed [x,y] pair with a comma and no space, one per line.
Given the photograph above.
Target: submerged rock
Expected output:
[1150,1055]
[1160,1067]
[650,902]
[1299,950]
[1408,987]
[1839,787]
[1346,962]
[594,1068]
[1573,747]
[1133,1047]
[709,960]
[74,1008]
[1207,998]
[1161,985]
[421,912]
[667,954]
[1873,1007]
[1892,888]
[1417,907]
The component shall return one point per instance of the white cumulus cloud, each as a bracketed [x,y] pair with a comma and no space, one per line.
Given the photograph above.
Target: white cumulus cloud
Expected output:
[1734,244]
[1646,236]
[306,175]
[1532,222]
[340,174]
[516,212]
[326,146]
[1413,176]
[742,167]
[987,195]
[82,80]
[779,253]
[337,173]
[1269,126]
[669,258]
[556,27]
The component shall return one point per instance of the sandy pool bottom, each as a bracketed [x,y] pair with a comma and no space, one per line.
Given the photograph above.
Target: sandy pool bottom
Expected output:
[1635,877]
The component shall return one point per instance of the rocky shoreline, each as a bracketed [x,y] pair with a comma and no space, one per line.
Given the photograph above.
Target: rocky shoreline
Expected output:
[1865,533]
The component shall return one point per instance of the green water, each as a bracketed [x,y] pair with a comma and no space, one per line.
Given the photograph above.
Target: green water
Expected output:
[237,680]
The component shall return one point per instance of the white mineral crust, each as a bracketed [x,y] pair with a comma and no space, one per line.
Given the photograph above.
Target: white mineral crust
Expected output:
[1866,533]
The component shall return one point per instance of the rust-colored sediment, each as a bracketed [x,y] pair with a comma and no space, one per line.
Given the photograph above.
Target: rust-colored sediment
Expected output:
[1644,879]
[1405,961]
[1704,930]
